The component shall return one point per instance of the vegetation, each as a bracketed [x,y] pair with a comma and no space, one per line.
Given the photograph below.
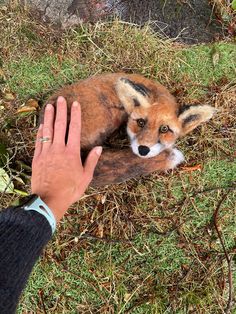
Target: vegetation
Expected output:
[149,245]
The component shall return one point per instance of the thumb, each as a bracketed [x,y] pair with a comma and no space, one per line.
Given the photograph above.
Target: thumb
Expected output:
[92,160]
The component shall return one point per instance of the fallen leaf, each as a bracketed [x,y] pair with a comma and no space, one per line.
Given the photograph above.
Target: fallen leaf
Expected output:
[103,199]
[215,56]
[8,96]
[26,109]
[5,182]
[192,168]
[32,103]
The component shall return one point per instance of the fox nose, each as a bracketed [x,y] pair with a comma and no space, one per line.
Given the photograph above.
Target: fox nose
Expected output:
[143,150]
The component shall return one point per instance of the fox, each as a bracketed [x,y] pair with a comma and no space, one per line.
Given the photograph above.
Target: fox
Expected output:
[154,121]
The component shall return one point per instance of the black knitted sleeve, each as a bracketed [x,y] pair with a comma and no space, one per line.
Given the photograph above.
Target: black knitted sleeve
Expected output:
[23,234]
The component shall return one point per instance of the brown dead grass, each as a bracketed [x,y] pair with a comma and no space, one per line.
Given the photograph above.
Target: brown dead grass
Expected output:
[117,214]
[226,15]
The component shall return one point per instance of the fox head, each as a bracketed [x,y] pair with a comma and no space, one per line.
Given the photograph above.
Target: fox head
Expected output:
[155,120]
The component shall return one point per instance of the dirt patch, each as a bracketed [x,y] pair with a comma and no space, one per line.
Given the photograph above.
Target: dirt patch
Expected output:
[190,21]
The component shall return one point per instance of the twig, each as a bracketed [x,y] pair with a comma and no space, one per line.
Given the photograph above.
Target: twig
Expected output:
[42,301]
[133,293]
[229,188]
[227,257]
[103,239]
[87,282]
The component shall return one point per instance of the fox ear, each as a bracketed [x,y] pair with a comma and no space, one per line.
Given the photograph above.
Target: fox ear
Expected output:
[191,116]
[132,94]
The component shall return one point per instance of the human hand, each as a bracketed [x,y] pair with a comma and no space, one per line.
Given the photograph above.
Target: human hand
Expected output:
[58,175]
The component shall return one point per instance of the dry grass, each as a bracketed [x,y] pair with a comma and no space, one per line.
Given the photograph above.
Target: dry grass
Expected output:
[226,14]
[148,245]
[224,7]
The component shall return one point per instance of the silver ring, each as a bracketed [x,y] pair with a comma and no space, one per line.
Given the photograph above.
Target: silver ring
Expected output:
[44,139]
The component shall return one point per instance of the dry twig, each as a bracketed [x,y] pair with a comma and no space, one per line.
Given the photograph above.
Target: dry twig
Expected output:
[42,301]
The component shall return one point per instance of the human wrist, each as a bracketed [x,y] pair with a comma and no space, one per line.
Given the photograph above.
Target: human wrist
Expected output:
[33,202]
[58,208]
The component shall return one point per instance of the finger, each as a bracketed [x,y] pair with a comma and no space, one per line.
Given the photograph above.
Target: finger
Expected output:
[38,143]
[91,162]
[75,126]
[60,122]
[48,127]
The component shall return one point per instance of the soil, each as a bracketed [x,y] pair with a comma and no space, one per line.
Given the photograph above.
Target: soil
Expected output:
[191,21]
[188,21]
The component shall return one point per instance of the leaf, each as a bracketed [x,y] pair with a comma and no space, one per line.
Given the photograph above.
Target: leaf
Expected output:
[103,199]
[5,182]
[31,105]
[22,193]
[234,4]
[215,56]
[8,97]
[193,168]
[26,109]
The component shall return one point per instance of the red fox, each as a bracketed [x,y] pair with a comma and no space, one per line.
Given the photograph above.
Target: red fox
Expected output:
[153,117]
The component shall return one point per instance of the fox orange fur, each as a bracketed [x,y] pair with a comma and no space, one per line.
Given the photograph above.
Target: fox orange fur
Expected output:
[153,117]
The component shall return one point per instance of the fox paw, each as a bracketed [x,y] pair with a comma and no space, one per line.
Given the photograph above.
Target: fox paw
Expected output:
[176,157]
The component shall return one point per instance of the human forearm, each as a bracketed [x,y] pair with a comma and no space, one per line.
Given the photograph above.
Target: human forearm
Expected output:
[22,236]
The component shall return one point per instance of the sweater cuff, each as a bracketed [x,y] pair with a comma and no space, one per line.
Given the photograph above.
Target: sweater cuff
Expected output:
[32,220]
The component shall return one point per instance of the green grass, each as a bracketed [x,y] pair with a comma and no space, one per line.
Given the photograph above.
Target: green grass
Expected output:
[34,78]
[198,63]
[152,246]
[192,66]
[149,265]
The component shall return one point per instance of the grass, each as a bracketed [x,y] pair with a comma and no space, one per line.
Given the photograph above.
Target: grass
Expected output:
[31,76]
[197,63]
[148,245]
[149,267]
[47,73]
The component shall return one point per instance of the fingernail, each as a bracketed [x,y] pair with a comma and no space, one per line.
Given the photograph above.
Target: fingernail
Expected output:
[49,107]
[75,104]
[60,99]
[98,150]
[41,126]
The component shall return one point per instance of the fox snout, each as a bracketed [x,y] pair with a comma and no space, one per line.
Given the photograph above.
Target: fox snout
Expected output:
[143,150]
[149,152]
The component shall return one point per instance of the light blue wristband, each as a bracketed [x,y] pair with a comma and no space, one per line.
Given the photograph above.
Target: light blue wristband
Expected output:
[39,206]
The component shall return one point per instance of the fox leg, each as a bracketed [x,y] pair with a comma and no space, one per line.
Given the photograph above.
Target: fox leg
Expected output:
[116,166]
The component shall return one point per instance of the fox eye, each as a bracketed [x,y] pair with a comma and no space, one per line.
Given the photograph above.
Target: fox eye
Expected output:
[141,122]
[164,129]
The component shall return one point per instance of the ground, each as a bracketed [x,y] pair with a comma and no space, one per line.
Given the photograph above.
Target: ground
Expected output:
[188,21]
[161,244]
